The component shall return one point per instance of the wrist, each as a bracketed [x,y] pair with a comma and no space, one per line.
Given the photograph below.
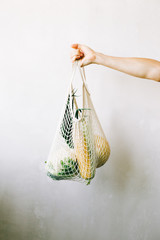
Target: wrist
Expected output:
[98,58]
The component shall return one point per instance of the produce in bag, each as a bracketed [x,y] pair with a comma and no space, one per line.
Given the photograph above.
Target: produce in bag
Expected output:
[79,145]
[64,165]
[102,150]
[85,148]
[101,144]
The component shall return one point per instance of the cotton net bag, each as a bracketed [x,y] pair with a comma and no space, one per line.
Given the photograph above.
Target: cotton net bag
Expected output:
[79,145]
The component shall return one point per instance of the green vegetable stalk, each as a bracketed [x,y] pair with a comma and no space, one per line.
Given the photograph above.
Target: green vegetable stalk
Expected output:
[66,168]
[67,122]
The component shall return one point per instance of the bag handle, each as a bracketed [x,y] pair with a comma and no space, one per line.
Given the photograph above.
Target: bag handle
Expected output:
[76,65]
[74,68]
[83,76]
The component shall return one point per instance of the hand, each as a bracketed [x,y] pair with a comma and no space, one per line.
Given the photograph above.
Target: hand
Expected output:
[83,54]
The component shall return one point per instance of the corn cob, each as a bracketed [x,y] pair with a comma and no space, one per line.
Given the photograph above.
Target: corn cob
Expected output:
[83,151]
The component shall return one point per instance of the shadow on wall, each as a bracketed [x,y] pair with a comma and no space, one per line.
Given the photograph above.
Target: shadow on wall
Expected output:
[123,173]
[18,224]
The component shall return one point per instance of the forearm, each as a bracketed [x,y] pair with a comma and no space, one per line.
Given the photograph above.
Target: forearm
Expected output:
[138,67]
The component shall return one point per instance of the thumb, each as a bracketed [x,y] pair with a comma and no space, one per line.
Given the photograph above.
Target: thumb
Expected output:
[84,62]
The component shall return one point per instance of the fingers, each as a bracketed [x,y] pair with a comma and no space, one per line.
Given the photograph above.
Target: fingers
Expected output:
[76,46]
[74,58]
[82,53]
[80,60]
[76,54]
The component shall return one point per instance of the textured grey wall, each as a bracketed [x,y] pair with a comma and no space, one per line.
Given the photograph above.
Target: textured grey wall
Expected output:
[123,200]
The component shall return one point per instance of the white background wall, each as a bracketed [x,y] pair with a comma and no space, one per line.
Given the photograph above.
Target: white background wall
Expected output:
[122,201]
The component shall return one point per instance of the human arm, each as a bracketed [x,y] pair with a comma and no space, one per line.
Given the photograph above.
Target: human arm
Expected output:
[137,67]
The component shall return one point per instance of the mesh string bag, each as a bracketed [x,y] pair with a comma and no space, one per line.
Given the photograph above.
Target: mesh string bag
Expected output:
[79,145]
[100,142]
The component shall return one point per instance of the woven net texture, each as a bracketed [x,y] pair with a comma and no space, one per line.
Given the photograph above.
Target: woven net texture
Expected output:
[79,145]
